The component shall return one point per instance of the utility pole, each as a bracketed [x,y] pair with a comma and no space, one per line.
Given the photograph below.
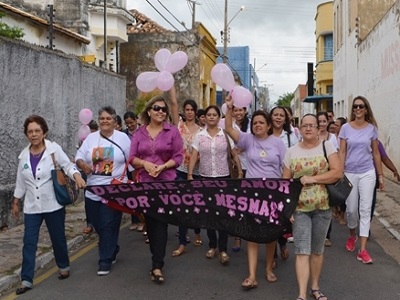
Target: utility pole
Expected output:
[51,25]
[105,35]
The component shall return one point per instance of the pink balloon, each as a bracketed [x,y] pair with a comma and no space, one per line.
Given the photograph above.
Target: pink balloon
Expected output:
[221,123]
[176,62]
[83,132]
[241,96]
[147,81]
[223,76]
[224,108]
[165,81]
[161,59]
[85,116]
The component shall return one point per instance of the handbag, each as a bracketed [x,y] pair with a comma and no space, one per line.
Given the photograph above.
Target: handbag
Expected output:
[340,190]
[234,169]
[64,187]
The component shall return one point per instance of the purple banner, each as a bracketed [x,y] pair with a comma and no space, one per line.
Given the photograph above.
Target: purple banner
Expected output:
[257,210]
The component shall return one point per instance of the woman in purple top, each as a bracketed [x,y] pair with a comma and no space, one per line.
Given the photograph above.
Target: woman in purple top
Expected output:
[156,151]
[264,154]
[357,138]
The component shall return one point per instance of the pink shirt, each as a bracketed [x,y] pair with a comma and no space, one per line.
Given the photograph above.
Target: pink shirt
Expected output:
[213,153]
[165,146]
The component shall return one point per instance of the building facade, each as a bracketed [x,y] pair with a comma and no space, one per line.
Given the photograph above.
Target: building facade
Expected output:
[367,62]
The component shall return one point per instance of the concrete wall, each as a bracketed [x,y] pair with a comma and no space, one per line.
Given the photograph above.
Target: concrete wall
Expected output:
[372,68]
[35,80]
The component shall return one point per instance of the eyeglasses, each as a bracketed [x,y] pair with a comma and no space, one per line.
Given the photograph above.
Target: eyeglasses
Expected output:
[357,106]
[159,108]
[309,126]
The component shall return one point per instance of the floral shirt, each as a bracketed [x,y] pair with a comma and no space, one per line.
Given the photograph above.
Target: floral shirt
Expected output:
[187,138]
[310,162]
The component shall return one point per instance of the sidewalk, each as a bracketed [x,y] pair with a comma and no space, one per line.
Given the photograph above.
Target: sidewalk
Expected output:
[386,217]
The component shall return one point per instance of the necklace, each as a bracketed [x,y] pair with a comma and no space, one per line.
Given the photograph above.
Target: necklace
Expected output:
[36,155]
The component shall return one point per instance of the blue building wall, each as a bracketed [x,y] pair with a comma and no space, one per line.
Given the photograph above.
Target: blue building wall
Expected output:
[239,62]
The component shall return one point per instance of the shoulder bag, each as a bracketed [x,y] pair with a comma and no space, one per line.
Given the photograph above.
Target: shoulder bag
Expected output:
[64,187]
[234,169]
[340,190]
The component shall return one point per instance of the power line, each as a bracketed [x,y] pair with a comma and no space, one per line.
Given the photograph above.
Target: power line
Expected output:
[180,22]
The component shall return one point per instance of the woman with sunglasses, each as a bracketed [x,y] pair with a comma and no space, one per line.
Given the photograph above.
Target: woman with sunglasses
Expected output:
[306,161]
[156,151]
[264,155]
[357,138]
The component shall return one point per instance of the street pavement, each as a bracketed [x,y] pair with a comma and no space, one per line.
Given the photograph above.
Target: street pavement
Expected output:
[192,276]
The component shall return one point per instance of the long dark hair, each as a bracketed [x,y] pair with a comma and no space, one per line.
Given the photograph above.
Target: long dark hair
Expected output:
[287,126]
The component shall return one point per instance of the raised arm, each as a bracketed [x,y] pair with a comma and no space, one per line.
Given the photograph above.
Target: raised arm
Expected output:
[174,106]
[233,133]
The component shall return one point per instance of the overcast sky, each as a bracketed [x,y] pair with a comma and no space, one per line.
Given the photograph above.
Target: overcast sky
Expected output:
[280,34]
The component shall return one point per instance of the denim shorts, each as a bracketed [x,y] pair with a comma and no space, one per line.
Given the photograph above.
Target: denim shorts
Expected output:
[309,231]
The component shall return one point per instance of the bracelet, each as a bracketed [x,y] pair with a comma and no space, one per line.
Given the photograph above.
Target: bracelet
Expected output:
[190,174]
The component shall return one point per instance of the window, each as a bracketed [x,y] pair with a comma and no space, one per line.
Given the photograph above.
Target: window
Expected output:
[329,89]
[328,47]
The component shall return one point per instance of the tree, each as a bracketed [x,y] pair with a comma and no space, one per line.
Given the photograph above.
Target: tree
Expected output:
[285,99]
[10,32]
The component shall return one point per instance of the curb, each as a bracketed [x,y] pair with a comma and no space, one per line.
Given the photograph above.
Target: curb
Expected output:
[41,261]
[387,226]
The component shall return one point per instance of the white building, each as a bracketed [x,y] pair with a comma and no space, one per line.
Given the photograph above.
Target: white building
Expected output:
[367,62]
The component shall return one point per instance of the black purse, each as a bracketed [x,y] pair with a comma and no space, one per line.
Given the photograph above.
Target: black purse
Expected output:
[340,190]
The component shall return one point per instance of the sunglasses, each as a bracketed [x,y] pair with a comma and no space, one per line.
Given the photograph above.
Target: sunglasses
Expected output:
[159,108]
[357,106]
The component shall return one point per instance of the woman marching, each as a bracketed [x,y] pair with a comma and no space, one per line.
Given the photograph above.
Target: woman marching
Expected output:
[156,151]
[357,139]
[264,155]
[306,161]
[211,147]
[35,185]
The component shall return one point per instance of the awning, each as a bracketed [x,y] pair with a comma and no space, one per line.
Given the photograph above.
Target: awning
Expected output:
[317,98]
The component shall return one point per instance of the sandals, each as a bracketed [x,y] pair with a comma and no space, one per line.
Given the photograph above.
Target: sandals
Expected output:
[198,243]
[223,258]
[249,284]
[178,251]
[270,277]
[63,275]
[22,289]
[237,243]
[211,253]
[157,276]
[284,252]
[140,227]
[319,295]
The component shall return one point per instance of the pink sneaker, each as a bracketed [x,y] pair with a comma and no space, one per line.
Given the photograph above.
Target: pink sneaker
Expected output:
[351,243]
[364,257]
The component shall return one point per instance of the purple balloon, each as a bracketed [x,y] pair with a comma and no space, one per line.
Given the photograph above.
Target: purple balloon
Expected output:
[223,76]
[165,81]
[147,81]
[85,116]
[224,108]
[241,97]
[176,62]
[161,59]
[83,132]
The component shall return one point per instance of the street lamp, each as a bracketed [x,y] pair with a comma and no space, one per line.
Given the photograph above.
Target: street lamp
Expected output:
[225,36]
[226,24]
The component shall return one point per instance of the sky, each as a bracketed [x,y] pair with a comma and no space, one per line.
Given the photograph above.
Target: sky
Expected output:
[280,34]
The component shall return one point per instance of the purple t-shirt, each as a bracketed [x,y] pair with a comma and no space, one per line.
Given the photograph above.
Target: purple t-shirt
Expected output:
[167,145]
[264,157]
[34,162]
[359,152]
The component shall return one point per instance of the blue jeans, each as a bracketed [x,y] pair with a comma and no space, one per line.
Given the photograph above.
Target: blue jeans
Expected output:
[106,222]
[55,223]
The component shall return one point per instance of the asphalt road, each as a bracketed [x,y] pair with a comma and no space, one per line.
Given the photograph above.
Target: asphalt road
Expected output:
[192,276]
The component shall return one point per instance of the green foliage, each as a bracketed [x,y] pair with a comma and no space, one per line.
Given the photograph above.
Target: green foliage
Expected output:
[285,99]
[10,32]
[142,100]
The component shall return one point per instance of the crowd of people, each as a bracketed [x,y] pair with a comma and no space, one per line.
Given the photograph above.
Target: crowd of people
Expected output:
[169,146]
